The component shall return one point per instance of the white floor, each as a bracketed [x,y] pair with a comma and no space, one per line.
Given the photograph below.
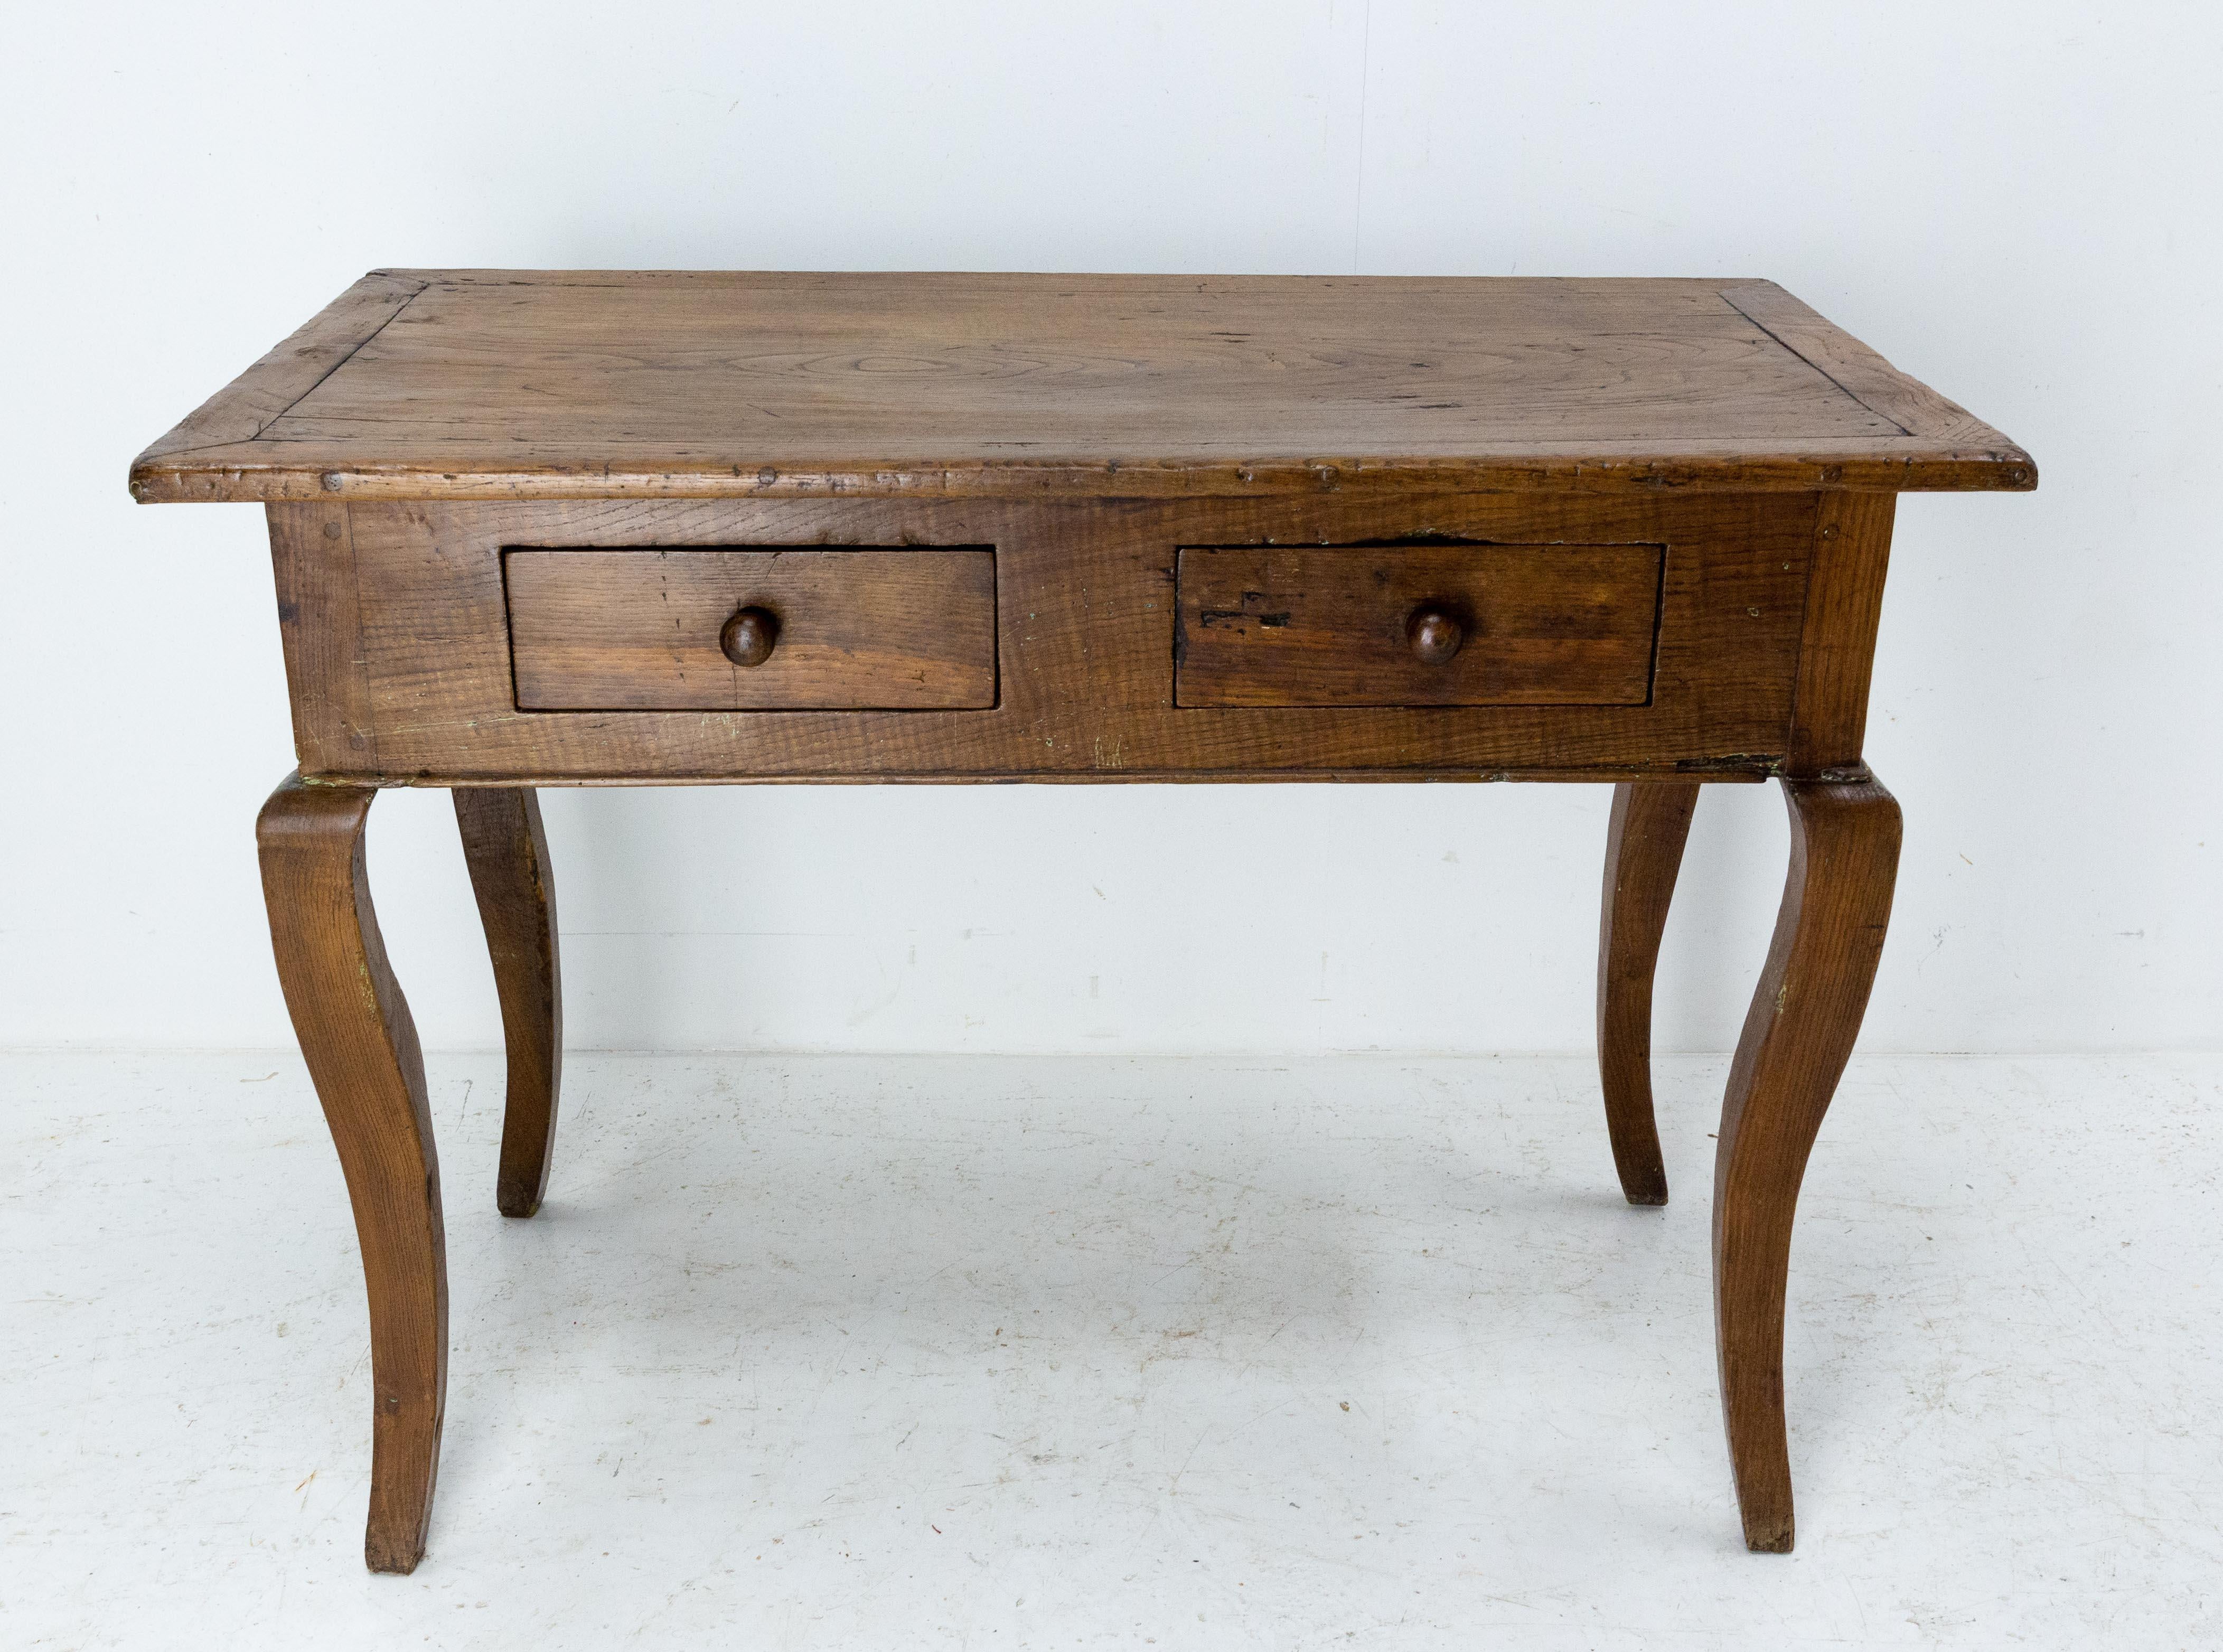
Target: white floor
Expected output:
[1017,1353]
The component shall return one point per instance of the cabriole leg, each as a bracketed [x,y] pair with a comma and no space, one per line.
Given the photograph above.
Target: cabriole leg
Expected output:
[1805,1014]
[361,1050]
[508,856]
[1643,852]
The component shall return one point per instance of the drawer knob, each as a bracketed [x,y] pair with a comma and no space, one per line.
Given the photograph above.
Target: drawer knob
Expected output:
[747,638]
[1435,635]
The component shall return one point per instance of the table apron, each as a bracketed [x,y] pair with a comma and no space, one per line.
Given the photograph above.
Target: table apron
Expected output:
[398,653]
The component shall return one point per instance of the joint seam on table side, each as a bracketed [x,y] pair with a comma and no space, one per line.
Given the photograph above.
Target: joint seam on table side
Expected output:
[1658,625]
[358,644]
[1805,618]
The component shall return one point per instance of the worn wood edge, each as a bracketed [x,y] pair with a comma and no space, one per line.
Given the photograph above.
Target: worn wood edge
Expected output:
[247,472]
[248,405]
[1866,376]
[1186,280]
[1762,769]
[220,453]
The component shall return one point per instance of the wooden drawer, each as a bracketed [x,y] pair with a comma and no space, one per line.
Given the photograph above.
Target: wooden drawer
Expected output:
[1417,625]
[648,630]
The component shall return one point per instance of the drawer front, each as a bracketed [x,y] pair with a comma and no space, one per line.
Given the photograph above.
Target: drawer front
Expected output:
[657,630]
[1417,625]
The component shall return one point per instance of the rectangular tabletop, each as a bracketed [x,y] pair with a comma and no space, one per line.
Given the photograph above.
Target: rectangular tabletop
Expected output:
[490,384]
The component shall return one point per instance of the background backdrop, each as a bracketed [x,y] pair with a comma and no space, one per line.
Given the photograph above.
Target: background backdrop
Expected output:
[2018,206]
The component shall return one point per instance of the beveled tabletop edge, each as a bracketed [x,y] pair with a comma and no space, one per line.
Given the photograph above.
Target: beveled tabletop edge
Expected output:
[218,453]
[251,403]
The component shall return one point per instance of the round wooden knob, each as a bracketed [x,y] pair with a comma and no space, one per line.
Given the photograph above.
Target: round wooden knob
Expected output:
[1435,635]
[747,638]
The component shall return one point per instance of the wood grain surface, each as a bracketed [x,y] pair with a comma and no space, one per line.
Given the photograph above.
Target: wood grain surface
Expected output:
[1312,626]
[405,674]
[245,409]
[507,853]
[639,630]
[360,1047]
[1837,637]
[1650,823]
[1805,1014]
[492,384]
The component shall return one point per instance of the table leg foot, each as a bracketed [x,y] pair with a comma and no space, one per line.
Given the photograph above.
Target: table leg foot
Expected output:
[1805,1014]
[361,1050]
[508,856]
[1643,852]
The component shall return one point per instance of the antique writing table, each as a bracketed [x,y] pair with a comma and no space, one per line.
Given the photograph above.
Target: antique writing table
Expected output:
[581,528]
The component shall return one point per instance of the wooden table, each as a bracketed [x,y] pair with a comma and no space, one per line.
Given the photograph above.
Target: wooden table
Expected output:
[574,528]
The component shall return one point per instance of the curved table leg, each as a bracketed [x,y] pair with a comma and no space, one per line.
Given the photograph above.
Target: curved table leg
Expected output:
[362,1051]
[1643,852]
[1805,1014]
[508,856]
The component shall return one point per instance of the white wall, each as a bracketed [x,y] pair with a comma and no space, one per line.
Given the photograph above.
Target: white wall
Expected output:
[2016,204]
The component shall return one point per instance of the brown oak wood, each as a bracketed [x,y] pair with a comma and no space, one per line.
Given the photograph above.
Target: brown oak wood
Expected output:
[244,410]
[1844,604]
[507,852]
[1650,823]
[360,1047]
[1085,620]
[1805,1014]
[1913,407]
[647,629]
[1515,625]
[320,626]
[494,384]
[644,528]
